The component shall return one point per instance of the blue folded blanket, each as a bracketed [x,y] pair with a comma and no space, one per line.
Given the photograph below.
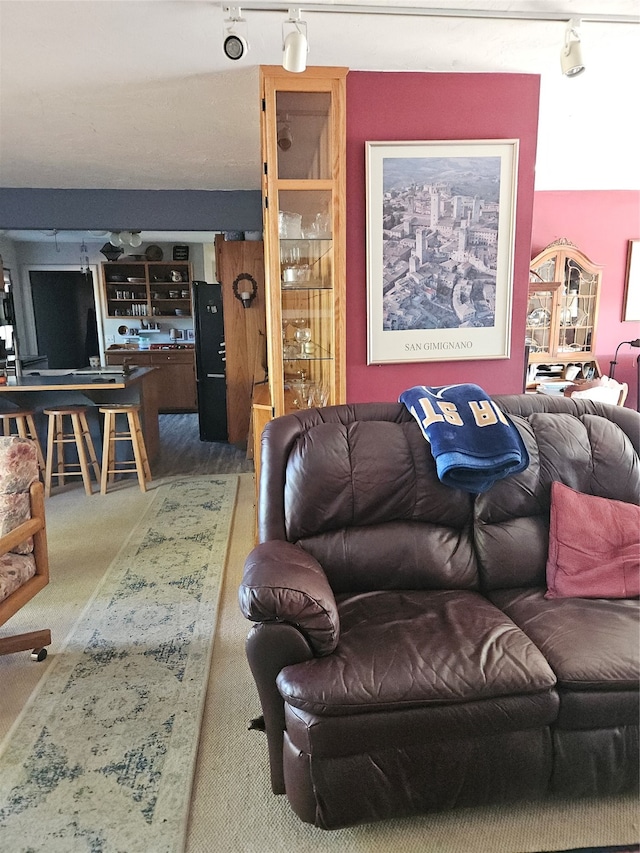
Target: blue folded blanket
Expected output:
[472,441]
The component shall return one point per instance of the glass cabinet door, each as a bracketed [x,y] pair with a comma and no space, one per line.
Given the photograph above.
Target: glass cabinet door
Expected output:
[577,307]
[541,312]
[303,143]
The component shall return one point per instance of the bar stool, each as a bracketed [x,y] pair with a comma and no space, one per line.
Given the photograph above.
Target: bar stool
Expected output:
[56,440]
[110,466]
[25,428]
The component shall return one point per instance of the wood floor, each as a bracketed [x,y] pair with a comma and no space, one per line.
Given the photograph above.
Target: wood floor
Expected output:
[182,452]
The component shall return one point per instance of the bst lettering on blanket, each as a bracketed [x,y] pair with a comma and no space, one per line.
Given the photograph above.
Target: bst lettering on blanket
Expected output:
[485,413]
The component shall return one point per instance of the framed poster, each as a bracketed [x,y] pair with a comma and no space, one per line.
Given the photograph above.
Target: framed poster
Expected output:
[440,245]
[631,310]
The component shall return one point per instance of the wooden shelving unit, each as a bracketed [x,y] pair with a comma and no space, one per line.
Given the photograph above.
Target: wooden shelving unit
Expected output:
[147,289]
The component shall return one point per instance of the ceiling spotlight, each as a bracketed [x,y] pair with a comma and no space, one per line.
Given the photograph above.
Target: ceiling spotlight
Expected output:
[295,45]
[285,137]
[235,45]
[571,54]
[136,239]
[114,239]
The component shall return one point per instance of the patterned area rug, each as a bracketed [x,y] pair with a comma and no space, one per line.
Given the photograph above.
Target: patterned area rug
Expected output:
[103,757]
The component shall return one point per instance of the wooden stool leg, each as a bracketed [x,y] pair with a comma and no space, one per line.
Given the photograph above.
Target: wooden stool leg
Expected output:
[137,452]
[60,448]
[142,446]
[112,447]
[82,454]
[6,427]
[48,472]
[21,426]
[107,444]
[33,434]
[89,442]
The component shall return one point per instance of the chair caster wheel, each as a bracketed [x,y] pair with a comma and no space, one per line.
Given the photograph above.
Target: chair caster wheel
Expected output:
[38,654]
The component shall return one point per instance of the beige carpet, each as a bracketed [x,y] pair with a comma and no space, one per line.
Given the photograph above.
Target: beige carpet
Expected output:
[232,806]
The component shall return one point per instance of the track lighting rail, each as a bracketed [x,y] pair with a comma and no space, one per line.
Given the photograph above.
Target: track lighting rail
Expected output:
[421,11]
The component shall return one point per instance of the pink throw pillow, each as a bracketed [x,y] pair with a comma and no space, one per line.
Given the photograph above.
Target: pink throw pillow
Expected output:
[594,546]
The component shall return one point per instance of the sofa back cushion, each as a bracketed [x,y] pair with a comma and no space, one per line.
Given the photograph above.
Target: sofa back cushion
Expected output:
[364,498]
[586,452]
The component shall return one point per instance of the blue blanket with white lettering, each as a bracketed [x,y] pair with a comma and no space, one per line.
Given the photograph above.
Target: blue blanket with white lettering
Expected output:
[473,442]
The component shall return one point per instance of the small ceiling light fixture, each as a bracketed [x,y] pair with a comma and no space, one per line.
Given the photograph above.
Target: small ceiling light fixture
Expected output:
[125,238]
[234,45]
[571,54]
[285,137]
[53,232]
[295,44]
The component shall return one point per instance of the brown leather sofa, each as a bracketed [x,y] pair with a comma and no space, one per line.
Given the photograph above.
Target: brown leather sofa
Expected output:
[405,656]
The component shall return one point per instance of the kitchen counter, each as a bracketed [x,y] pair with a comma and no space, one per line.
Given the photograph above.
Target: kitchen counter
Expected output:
[73,380]
[92,388]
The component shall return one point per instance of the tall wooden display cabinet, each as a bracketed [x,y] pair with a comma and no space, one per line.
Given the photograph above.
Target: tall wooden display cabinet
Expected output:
[303,149]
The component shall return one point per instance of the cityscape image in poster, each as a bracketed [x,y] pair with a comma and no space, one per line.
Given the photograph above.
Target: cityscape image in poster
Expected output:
[439,242]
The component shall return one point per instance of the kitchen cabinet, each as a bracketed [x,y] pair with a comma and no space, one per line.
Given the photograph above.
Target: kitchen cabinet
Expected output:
[303,147]
[562,312]
[147,289]
[175,376]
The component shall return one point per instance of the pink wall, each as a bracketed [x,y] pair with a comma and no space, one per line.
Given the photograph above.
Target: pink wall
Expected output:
[400,106]
[600,223]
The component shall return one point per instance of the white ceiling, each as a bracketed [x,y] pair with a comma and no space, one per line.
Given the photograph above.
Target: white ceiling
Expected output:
[137,94]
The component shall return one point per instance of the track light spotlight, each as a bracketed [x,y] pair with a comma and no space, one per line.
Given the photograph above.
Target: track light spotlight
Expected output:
[571,54]
[295,45]
[285,137]
[234,45]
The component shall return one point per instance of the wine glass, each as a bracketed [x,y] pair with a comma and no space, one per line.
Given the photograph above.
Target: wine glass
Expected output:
[303,336]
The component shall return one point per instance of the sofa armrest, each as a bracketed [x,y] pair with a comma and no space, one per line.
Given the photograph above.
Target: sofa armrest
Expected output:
[283,583]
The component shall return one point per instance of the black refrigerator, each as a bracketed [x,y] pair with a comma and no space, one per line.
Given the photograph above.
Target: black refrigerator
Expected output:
[210,361]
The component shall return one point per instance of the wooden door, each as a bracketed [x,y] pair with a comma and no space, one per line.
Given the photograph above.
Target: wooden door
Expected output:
[244,330]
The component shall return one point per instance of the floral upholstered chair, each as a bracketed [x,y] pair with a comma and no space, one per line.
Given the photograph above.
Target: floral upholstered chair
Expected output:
[24,565]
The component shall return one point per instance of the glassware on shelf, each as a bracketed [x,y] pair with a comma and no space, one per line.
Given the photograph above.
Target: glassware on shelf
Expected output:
[301,390]
[303,337]
[289,225]
[319,229]
[308,394]
[292,276]
[319,394]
